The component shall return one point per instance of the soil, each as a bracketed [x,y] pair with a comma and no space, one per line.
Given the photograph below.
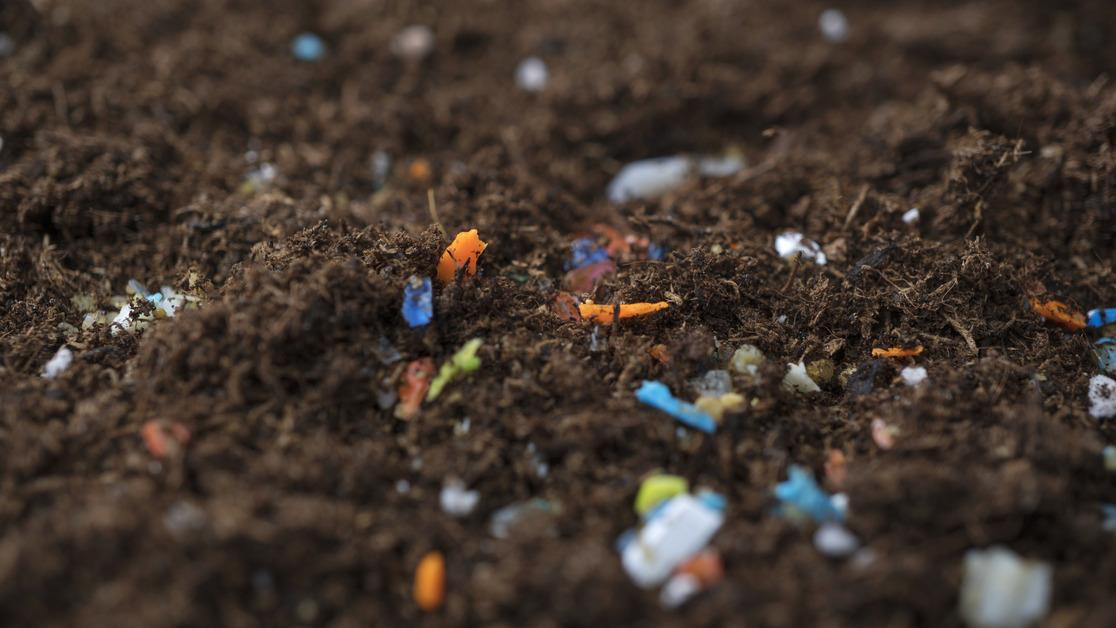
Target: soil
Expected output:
[131,126]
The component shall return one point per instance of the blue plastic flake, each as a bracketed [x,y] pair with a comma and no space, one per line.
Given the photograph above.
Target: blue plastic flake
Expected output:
[1109,512]
[713,501]
[585,251]
[155,298]
[308,47]
[656,252]
[1105,350]
[801,493]
[418,301]
[1100,318]
[657,395]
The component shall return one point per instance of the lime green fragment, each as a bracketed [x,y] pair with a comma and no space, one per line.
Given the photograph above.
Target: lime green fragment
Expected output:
[462,362]
[657,488]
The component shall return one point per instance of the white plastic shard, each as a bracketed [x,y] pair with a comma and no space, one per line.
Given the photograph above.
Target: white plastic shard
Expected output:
[793,244]
[58,364]
[651,178]
[531,75]
[678,530]
[1002,590]
[456,500]
[798,380]
[913,375]
[1102,397]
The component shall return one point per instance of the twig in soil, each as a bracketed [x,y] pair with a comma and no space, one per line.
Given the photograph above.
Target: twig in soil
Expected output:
[966,334]
[856,206]
[433,206]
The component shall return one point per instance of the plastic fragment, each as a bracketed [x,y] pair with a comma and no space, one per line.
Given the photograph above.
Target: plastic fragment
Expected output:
[504,519]
[418,301]
[430,581]
[531,75]
[386,352]
[456,500]
[416,381]
[821,371]
[123,320]
[884,434]
[911,216]
[651,178]
[706,566]
[564,307]
[585,278]
[800,495]
[660,353]
[1110,458]
[413,42]
[656,252]
[835,468]
[1001,590]
[605,314]
[164,439]
[1105,351]
[897,352]
[747,359]
[1102,397]
[1108,511]
[308,47]
[793,245]
[678,590]
[1059,313]
[798,380]
[717,406]
[58,364]
[657,395]
[713,383]
[680,528]
[913,375]
[835,541]
[656,489]
[1101,317]
[863,379]
[461,253]
[585,251]
[834,26]
[463,362]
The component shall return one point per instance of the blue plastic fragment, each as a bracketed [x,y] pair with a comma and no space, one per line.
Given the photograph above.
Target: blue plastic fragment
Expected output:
[1109,512]
[308,47]
[657,395]
[418,301]
[656,252]
[585,251]
[1105,350]
[800,492]
[1101,317]
[713,501]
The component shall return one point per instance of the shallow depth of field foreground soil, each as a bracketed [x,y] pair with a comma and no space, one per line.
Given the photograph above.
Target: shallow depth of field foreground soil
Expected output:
[137,139]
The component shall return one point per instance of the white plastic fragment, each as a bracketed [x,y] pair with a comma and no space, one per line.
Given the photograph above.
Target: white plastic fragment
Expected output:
[650,178]
[834,25]
[531,75]
[123,320]
[911,216]
[792,243]
[835,541]
[58,364]
[798,380]
[1001,590]
[747,359]
[680,529]
[1102,397]
[456,500]
[913,375]
[414,42]
[678,590]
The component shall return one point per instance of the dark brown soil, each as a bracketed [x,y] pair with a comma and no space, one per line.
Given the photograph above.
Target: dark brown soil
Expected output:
[126,125]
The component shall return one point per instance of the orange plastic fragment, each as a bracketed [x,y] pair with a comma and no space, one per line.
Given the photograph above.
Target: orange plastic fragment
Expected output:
[897,352]
[565,307]
[419,171]
[660,353]
[605,314]
[1059,313]
[461,253]
[430,581]
[416,381]
[706,566]
[835,468]
[163,439]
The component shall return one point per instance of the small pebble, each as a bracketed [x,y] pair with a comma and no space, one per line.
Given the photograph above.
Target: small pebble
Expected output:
[913,375]
[835,541]
[414,42]
[308,47]
[821,371]
[834,25]
[531,75]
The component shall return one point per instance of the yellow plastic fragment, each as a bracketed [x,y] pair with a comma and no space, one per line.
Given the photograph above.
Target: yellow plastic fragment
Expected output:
[657,488]
[463,362]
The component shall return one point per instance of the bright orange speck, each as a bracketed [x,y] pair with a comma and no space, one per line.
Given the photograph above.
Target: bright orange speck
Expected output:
[706,566]
[835,467]
[419,171]
[163,439]
[430,581]
[897,352]
[1059,313]
[461,253]
[604,314]
[565,307]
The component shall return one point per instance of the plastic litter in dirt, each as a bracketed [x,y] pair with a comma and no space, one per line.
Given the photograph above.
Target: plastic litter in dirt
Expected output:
[463,362]
[657,395]
[462,253]
[1001,590]
[418,301]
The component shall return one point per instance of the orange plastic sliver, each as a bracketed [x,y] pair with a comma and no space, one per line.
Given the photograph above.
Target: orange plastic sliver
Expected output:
[1059,313]
[416,381]
[897,352]
[461,253]
[430,581]
[164,439]
[604,314]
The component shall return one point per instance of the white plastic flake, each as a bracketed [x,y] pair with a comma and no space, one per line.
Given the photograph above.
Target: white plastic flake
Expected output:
[834,25]
[456,500]
[59,363]
[911,216]
[793,243]
[913,375]
[650,178]
[680,529]
[531,75]
[798,380]
[1001,590]
[123,320]
[835,541]
[1102,397]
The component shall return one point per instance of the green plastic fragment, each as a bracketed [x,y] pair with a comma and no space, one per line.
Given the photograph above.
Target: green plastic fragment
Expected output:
[463,362]
[657,488]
